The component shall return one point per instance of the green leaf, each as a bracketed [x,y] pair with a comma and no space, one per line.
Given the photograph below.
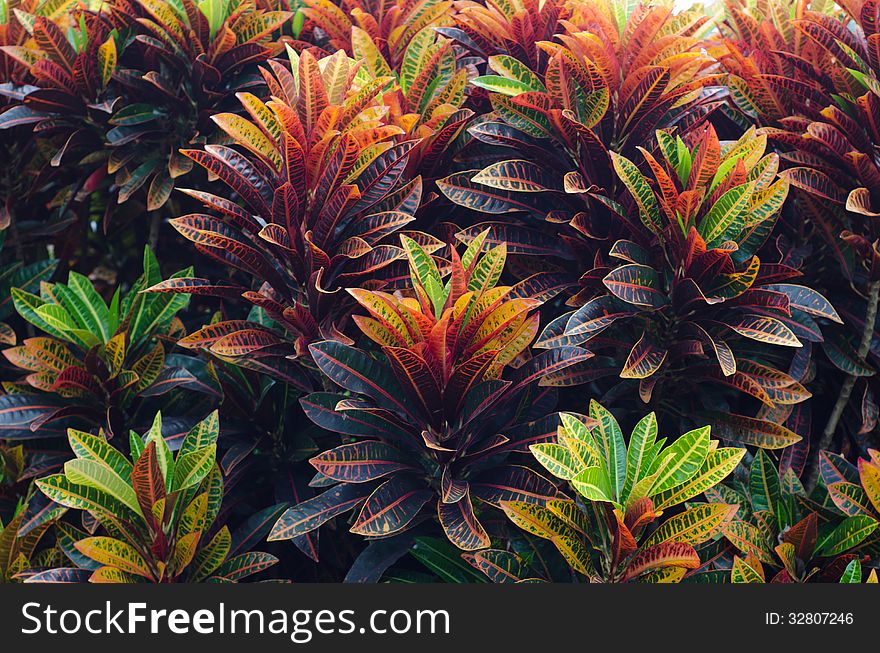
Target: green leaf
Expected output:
[27,304]
[578,430]
[851,532]
[576,437]
[725,220]
[155,311]
[97,314]
[215,12]
[445,560]
[641,191]
[764,483]
[136,445]
[424,272]
[669,148]
[92,447]
[416,53]
[611,446]
[80,497]
[513,69]
[852,573]
[685,160]
[56,317]
[557,459]
[192,518]
[640,452]
[529,112]
[191,468]
[682,459]
[364,49]
[717,466]
[83,471]
[594,108]
[113,312]
[202,435]
[592,483]
[163,453]
[473,249]
[488,270]
[499,84]
[766,204]
[727,164]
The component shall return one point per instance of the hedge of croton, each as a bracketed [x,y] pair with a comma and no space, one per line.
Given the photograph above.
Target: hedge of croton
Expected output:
[439,291]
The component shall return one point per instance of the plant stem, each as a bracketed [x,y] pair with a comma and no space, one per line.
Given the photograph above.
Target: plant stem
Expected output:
[847,387]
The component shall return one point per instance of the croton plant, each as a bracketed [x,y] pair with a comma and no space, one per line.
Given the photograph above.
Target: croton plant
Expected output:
[430,412]
[623,489]
[452,275]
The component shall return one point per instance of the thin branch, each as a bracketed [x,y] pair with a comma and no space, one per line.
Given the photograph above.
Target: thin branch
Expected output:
[847,387]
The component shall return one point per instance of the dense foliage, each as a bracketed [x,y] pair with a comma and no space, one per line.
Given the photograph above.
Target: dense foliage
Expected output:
[424,290]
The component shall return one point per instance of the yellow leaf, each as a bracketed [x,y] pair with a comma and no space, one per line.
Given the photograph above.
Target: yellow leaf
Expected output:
[870,476]
[184,551]
[693,526]
[114,553]
[715,468]
[115,350]
[111,575]
[540,521]
[249,136]
[743,573]
[107,59]
[664,576]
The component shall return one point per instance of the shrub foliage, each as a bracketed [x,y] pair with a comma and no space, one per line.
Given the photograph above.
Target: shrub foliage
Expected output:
[391,281]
